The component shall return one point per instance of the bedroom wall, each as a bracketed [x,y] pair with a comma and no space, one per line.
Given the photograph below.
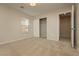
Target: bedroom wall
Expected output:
[10,24]
[52,23]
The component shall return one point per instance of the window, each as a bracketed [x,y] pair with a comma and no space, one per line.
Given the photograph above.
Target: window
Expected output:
[24,25]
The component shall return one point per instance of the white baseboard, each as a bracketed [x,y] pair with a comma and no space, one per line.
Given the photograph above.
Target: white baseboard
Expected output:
[10,41]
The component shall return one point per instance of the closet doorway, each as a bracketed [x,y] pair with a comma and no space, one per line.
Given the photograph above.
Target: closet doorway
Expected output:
[43,27]
[65,27]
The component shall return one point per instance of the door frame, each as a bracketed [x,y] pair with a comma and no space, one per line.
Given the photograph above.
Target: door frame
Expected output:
[59,20]
[72,32]
[73,27]
[40,27]
[60,24]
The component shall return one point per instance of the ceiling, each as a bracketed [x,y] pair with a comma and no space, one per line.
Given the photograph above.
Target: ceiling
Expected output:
[40,8]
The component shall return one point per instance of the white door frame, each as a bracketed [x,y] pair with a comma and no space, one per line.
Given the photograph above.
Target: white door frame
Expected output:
[59,18]
[72,24]
[46,27]
[72,28]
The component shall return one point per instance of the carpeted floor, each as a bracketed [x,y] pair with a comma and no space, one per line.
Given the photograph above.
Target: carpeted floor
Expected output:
[38,47]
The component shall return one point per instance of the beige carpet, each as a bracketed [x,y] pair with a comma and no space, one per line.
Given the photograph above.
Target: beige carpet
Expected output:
[37,47]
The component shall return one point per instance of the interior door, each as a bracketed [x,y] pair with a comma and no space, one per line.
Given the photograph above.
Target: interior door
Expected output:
[72,28]
[43,26]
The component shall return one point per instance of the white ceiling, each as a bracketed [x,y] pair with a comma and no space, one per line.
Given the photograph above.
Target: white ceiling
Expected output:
[40,8]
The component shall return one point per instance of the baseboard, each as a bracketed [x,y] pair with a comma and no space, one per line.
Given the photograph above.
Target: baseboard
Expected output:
[14,40]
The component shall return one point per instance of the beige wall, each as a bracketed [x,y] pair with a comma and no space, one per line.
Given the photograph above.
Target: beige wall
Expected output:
[52,23]
[10,24]
[77,24]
